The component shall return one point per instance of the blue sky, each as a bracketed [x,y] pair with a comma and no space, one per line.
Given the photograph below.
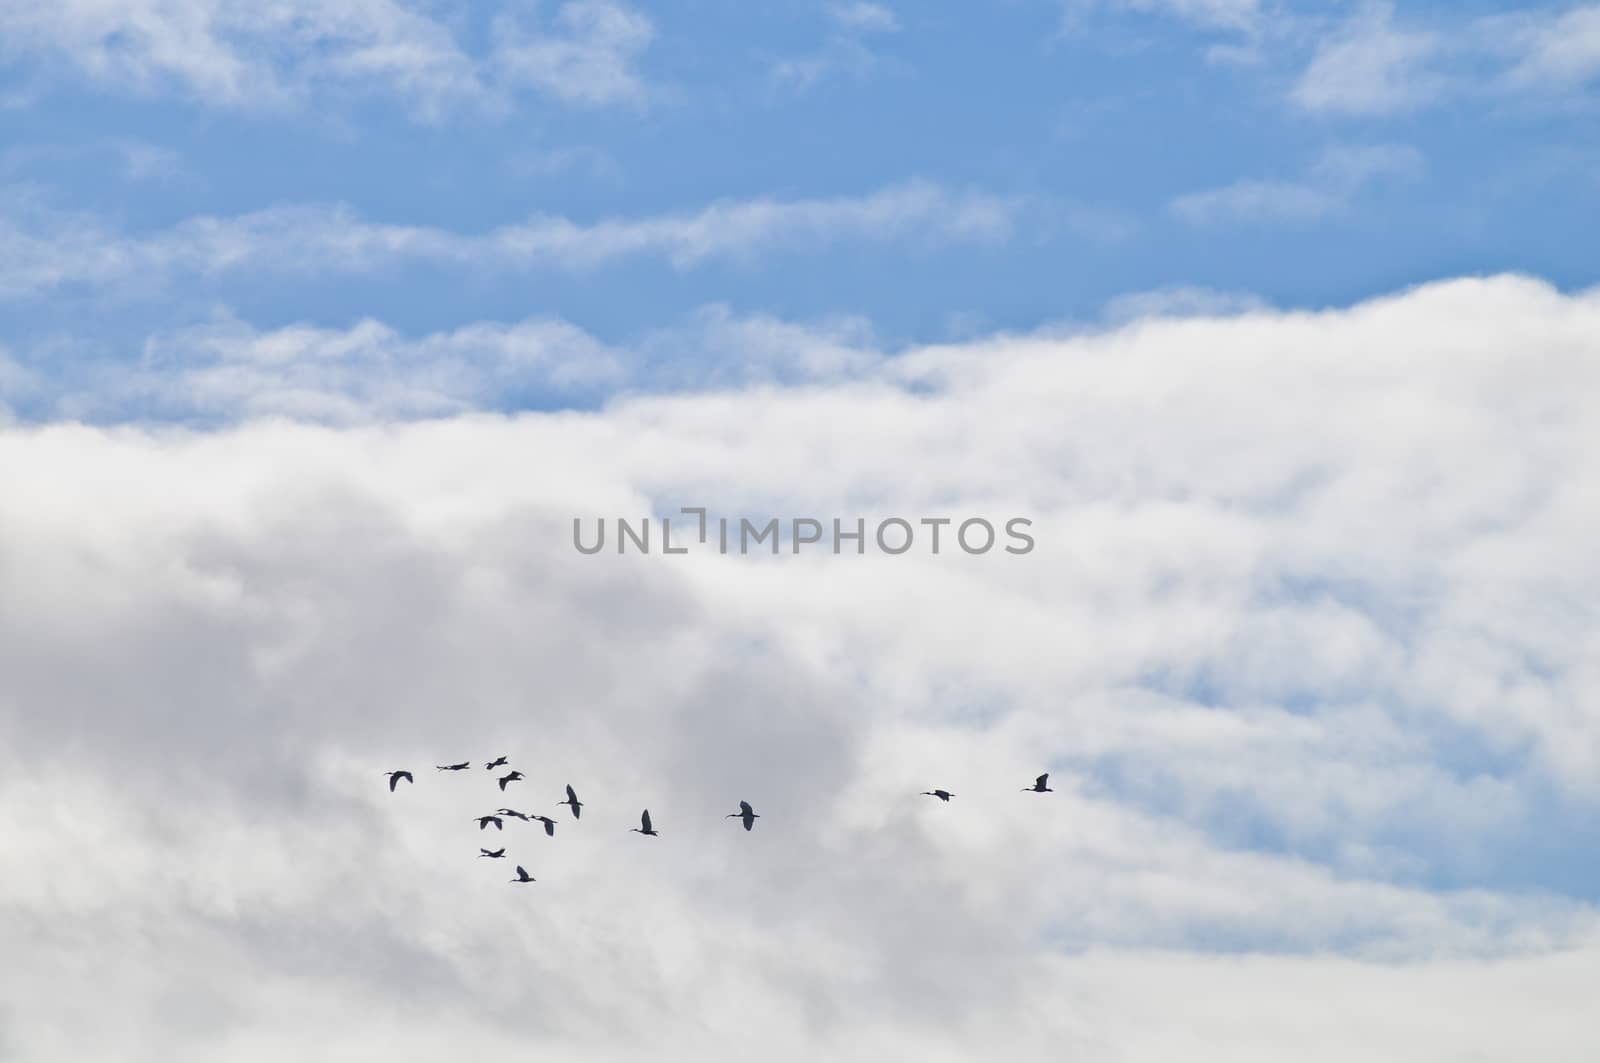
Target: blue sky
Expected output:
[1301,154]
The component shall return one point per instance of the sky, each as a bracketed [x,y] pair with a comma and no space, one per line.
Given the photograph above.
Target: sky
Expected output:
[320,326]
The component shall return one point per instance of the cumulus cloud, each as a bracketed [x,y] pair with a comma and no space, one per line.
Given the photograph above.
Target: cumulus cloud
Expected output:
[236,54]
[50,250]
[1304,642]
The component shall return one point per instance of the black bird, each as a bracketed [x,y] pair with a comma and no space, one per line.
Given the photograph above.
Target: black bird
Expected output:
[495,763]
[463,766]
[745,813]
[514,813]
[484,821]
[572,799]
[494,854]
[523,876]
[943,795]
[644,825]
[396,776]
[1039,786]
[549,824]
[513,777]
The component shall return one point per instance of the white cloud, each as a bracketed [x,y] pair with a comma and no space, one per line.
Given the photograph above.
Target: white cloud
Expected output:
[49,250]
[232,53]
[1375,66]
[591,62]
[1371,67]
[1305,635]
[1559,52]
[1338,175]
[225,369]
[1232,15]
[845,52]
[864,17]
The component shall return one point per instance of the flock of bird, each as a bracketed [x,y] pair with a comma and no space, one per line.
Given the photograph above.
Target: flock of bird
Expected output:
[497,818]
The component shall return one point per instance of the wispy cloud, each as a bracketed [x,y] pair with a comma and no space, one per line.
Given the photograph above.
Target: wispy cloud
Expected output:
[1328,187]
[1231,15]
[1371,67]
[1377,64]
[225,369]
[865,17]
[51,250]
[589,61]
[238,54]
[846,50]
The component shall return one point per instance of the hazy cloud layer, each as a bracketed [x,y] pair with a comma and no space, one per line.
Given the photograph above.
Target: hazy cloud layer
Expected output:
[1307,642]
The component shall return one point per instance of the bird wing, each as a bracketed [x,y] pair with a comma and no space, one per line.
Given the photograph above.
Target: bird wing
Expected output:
[749,820]
[572,795]
[549,826]
[744,808]
[1042,780]
[644,820]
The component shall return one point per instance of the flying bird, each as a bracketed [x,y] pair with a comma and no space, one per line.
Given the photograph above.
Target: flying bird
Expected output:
[745,813]
[396,776]
[484,821]
[494,854]
[497,762]
[644,825]
[523,876]
[512,812]
[572,799]
[549,824]
[1039,786]
[463,766]
[943,795]
[513,777]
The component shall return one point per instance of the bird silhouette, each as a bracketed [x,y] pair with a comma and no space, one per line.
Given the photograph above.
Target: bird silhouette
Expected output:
[495,763]
[484,821]
[644,825]
[549,824]
[943,795]
[1039,786]
[572,799]
[513,777]
[494,854]
[523,876]
[512,813]
[745,813]
[396,776]
[463,766]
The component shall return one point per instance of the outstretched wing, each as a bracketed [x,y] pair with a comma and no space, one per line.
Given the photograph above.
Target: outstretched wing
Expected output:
[572,795]
[644,820]
[745,809]
[1042,781]
[550,827]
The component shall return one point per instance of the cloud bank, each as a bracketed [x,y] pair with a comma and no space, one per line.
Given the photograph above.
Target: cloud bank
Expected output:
[1307,643]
